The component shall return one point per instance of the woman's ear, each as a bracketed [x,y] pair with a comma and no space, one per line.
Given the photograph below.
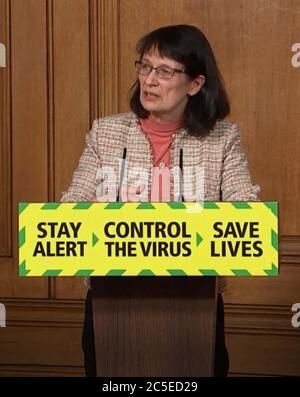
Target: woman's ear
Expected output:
[196,85]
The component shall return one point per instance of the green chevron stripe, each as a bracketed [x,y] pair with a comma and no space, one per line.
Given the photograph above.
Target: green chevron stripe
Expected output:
[22,269]
[210,205]
[274,239]
[208,272]
[22,236]
[50,206]
[240,205]
[146,272]
[52,272]
[94,239]
[177,206]
[114,206]
[84,272]
[272,272]
[145,206]
[116,272]
[177,272]
[240,272]
[22,207]
[199,239]
[273,206]
[82,206]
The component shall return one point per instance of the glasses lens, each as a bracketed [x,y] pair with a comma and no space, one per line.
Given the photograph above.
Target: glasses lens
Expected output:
[162,72]
[165,73]
[142,68]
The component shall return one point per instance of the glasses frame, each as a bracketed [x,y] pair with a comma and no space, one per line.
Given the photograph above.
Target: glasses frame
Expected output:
[157,68]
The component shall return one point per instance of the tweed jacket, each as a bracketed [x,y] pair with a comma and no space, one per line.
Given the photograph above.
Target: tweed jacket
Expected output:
[217,160]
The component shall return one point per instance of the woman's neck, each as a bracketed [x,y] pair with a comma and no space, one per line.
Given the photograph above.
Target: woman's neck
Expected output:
[163,125]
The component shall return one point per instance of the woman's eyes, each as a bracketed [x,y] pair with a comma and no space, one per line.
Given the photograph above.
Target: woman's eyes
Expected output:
[145,66]
[165,70]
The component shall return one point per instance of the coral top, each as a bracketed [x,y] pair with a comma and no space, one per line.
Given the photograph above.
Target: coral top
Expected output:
[160,136]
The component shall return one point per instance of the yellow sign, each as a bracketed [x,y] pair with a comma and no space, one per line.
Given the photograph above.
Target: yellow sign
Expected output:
[161,239]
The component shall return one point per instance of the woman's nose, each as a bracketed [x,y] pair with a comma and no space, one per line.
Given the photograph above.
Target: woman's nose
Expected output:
[151,78]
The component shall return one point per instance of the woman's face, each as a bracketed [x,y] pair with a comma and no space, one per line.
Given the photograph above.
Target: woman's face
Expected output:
[166,100]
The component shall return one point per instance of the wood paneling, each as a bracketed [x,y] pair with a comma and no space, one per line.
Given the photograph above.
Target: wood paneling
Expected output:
[257,336]
[70,46]
[104,45]
[5,135]
[269,355]
[29,123]
[103,69]
[262,85]
[289,249]
[258,319]
[46,338]
[70,51]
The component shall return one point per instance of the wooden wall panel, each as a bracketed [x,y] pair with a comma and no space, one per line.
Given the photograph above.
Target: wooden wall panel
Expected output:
[5,135]
[262,85]
[70,46]
[101,21]
[257,336]
[6,263]
[264,355]
[108,56]
[258,319]
[46,338]
[29,124]
[104,58]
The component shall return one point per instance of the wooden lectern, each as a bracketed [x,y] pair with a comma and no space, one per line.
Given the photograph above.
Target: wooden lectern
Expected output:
[154,326]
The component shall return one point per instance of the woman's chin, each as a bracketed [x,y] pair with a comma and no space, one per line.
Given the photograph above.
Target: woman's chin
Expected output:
[148,107]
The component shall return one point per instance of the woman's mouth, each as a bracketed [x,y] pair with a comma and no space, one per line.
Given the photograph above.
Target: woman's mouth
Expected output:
[149,95]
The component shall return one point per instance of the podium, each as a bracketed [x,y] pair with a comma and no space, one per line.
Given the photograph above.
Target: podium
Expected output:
[149,326]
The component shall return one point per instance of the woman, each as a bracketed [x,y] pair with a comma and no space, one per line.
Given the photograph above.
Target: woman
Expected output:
[178,106]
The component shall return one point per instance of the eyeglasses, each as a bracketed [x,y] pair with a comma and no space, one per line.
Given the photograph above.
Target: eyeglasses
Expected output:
[163,72]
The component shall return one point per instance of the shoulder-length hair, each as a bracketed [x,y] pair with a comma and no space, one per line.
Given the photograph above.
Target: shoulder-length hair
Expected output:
[188,45]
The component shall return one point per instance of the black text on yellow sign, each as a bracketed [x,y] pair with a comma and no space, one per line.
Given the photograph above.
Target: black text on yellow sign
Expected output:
[223,239]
